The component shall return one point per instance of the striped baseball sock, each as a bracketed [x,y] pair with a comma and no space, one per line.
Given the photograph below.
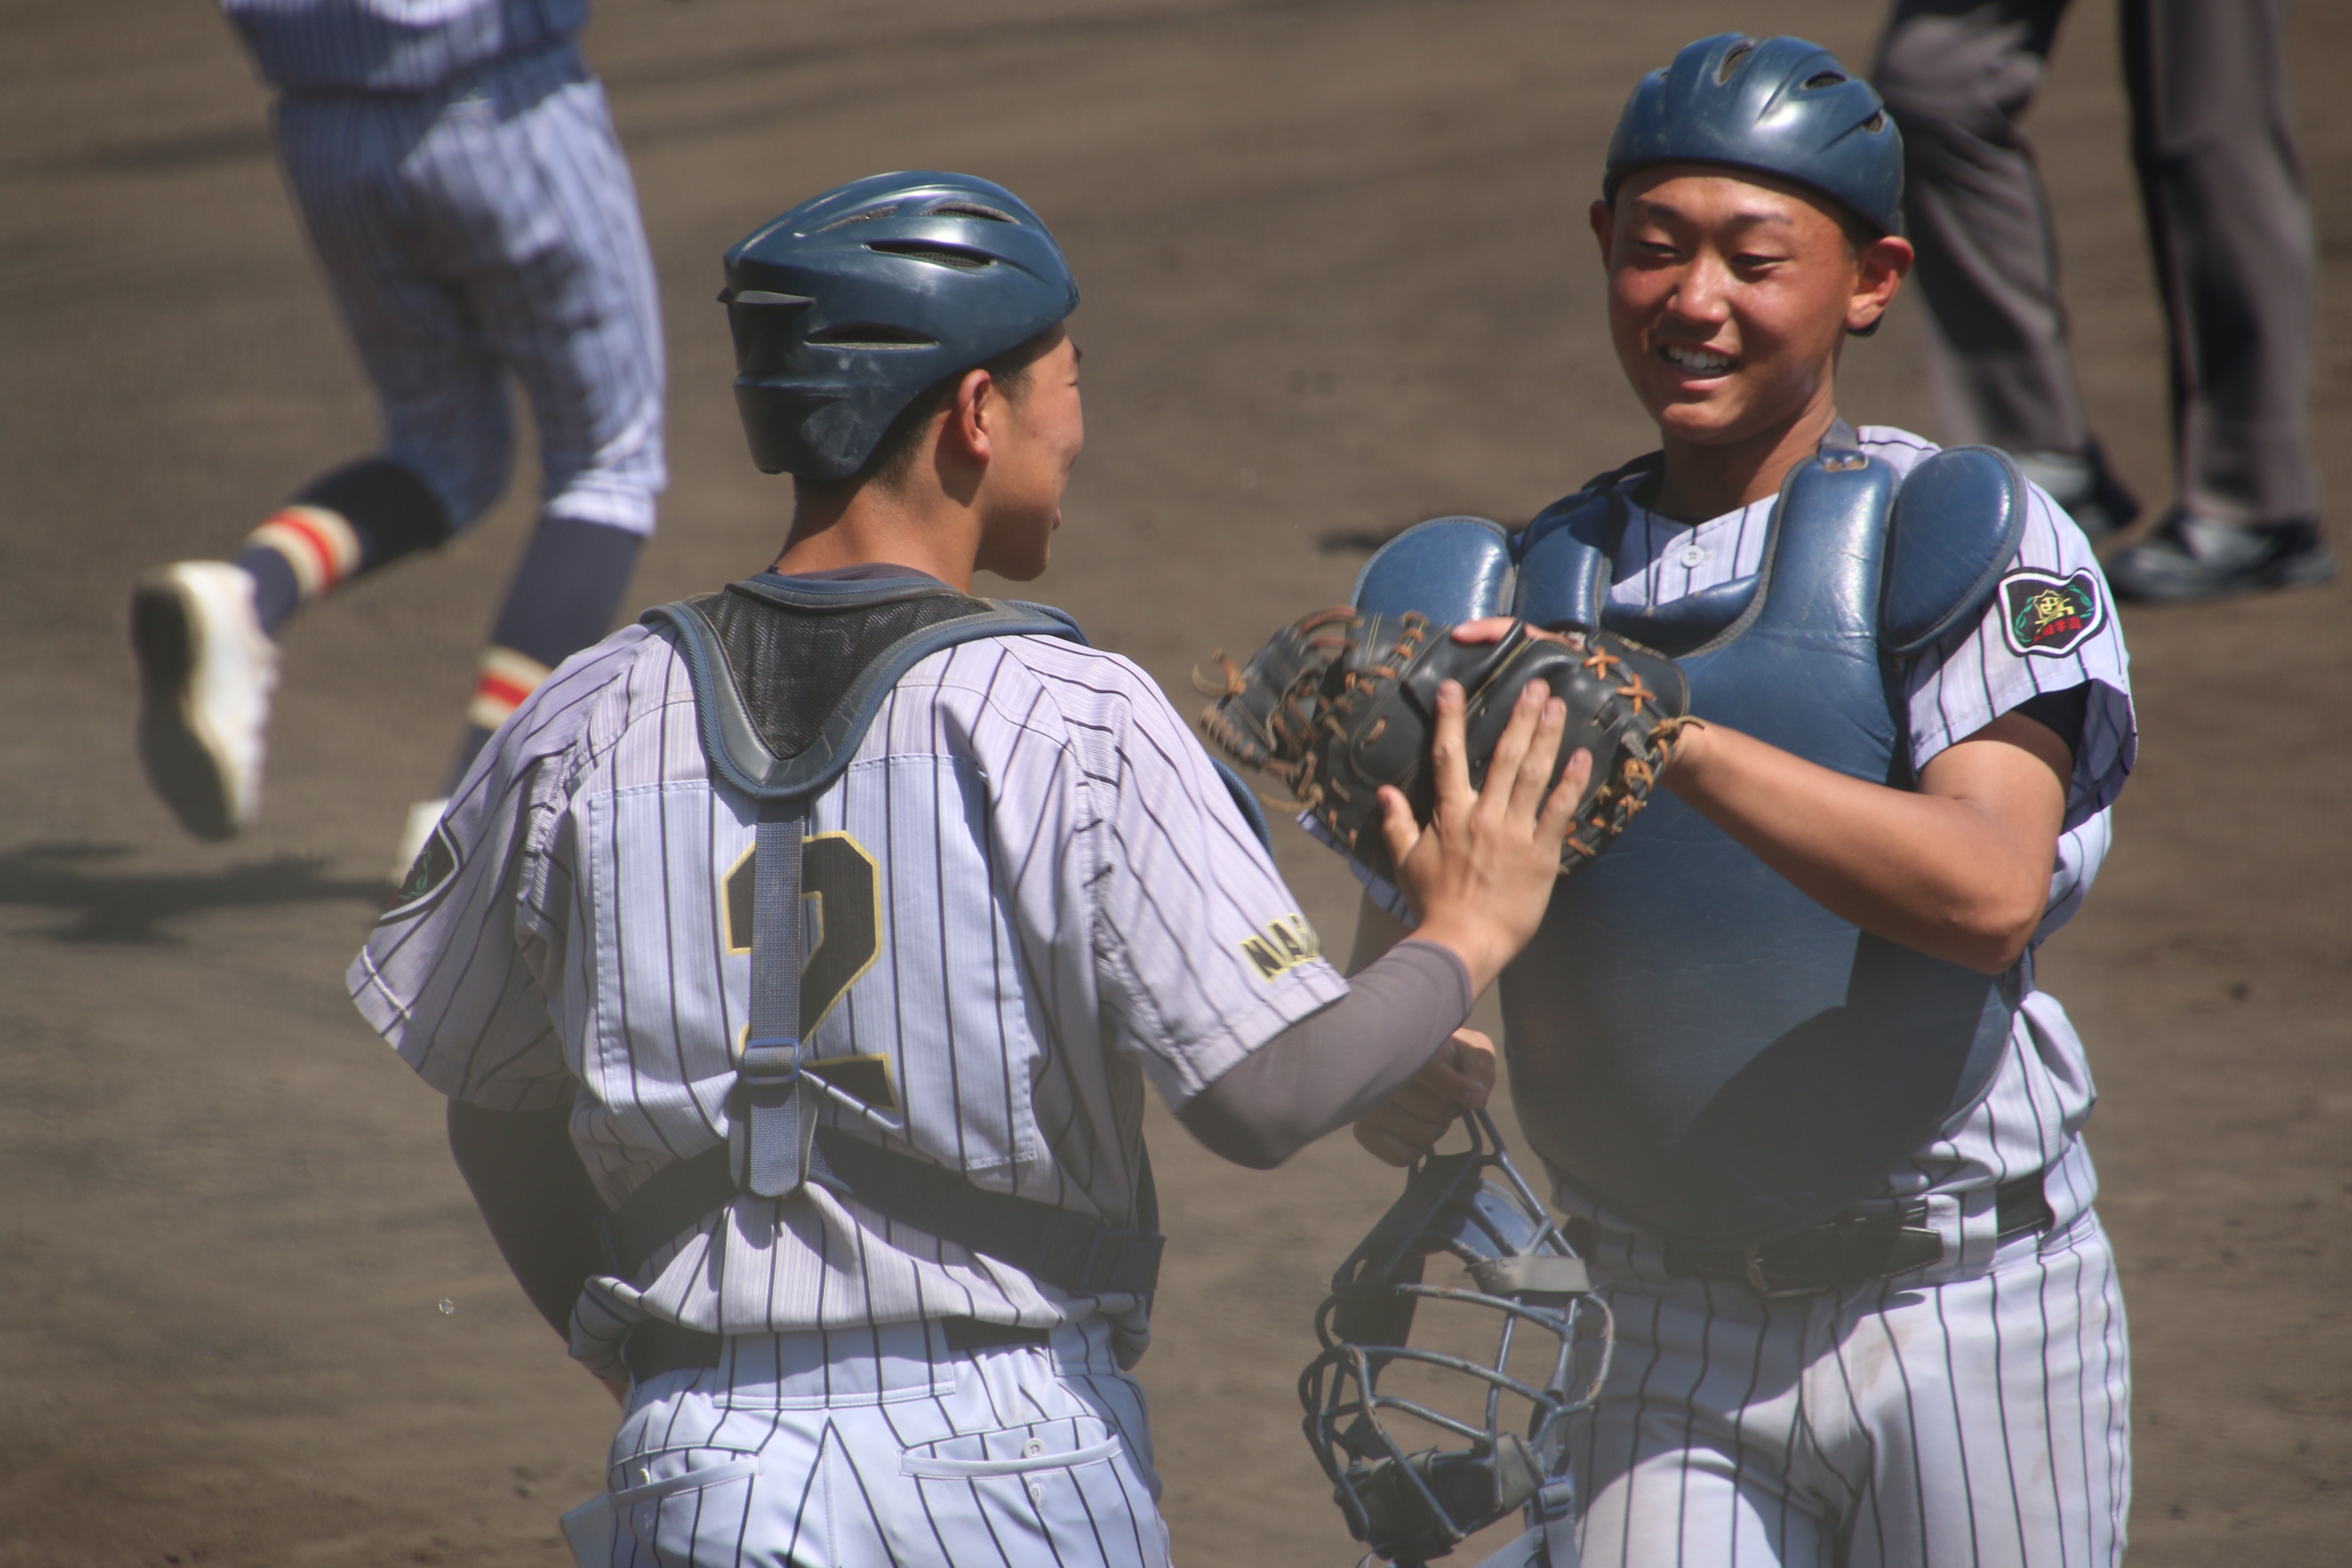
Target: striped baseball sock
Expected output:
[564,597]
[300,553]
[501,681]
[340,527]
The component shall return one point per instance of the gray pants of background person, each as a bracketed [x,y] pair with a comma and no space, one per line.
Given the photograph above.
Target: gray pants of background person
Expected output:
[2226,217]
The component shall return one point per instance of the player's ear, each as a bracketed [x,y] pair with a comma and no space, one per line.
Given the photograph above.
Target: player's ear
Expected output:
[1880,268]
[972,415]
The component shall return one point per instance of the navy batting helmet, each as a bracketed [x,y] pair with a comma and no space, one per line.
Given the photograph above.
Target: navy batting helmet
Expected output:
[1551,1353]
[1779,105]
[847,307]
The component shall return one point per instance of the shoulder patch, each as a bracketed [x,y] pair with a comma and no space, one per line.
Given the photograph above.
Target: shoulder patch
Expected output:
[430,872]
[2040,613]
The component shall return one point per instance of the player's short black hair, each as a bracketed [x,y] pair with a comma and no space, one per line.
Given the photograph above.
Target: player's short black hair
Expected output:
[893,456]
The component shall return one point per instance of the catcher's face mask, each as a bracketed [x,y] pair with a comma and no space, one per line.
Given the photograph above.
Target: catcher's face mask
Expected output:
[1544,1348]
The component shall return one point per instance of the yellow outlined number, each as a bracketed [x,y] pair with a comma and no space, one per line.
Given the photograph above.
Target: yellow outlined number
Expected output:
[841,899]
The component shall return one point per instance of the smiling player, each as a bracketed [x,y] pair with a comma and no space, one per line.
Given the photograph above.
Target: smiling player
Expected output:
[1780,1049]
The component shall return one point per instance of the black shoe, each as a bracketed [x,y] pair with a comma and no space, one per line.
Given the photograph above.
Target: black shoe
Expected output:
[2191,557]
[2081,482]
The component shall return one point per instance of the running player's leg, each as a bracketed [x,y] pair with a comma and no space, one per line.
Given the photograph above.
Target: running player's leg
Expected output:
[563,283]
[448,433]
[205,631]
[1995,1411]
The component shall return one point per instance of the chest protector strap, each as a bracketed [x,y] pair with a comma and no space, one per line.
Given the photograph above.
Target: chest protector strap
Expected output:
[776,1147]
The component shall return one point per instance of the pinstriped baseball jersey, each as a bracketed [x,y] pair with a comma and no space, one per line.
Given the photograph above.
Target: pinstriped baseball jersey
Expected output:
[1030,892]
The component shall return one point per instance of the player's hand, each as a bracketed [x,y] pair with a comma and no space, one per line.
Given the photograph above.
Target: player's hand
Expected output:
[1459,1077]
[1480,873]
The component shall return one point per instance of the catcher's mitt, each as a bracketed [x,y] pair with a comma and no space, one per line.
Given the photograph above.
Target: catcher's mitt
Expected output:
[1339,703]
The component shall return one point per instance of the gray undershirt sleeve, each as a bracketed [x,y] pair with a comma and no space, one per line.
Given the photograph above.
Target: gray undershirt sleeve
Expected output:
[1326,1070]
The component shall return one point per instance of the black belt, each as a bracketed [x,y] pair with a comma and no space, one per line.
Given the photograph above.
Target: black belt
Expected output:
[656,1345]
[1852,1249]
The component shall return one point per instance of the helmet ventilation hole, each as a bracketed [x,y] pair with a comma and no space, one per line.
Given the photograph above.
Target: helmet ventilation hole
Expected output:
[1823,78]
[1731,61]
[969,209]
[931,251]
[1875,123]
[868,215]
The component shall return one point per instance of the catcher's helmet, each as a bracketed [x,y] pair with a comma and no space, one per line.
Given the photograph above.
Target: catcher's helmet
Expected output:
[847,307]
[1779,105]
[1529,1283]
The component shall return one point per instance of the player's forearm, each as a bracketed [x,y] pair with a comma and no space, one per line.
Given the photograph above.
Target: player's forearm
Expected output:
[1948,877]
[1325,1071]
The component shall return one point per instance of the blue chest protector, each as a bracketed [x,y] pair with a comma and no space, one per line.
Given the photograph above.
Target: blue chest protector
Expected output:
[1692,1039]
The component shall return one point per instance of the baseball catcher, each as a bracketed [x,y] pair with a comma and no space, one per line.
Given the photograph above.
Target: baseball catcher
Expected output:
[772,1189]
[1782,1052]
[1341,703]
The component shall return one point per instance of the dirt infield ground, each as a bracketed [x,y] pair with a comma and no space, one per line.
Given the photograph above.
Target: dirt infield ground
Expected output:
[1336,281]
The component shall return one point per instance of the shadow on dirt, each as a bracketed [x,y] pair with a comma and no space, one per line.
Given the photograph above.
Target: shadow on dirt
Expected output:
[132,906]
[1352,541]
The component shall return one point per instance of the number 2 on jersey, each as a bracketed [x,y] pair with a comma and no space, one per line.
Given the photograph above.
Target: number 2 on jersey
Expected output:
[841,897]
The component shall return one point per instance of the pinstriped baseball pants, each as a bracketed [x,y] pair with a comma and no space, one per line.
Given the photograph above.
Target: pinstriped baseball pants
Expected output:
[855,1450]
[1981,1421]
[488,227]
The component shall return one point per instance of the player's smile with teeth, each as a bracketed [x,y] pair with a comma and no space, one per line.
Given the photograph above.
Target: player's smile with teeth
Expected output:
[1699,361]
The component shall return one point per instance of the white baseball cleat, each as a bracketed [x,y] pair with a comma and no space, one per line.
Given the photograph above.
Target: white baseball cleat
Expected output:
[423,819]
[207,670]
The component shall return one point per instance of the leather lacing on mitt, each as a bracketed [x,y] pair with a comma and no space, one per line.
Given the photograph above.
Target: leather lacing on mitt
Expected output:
[1339,703]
